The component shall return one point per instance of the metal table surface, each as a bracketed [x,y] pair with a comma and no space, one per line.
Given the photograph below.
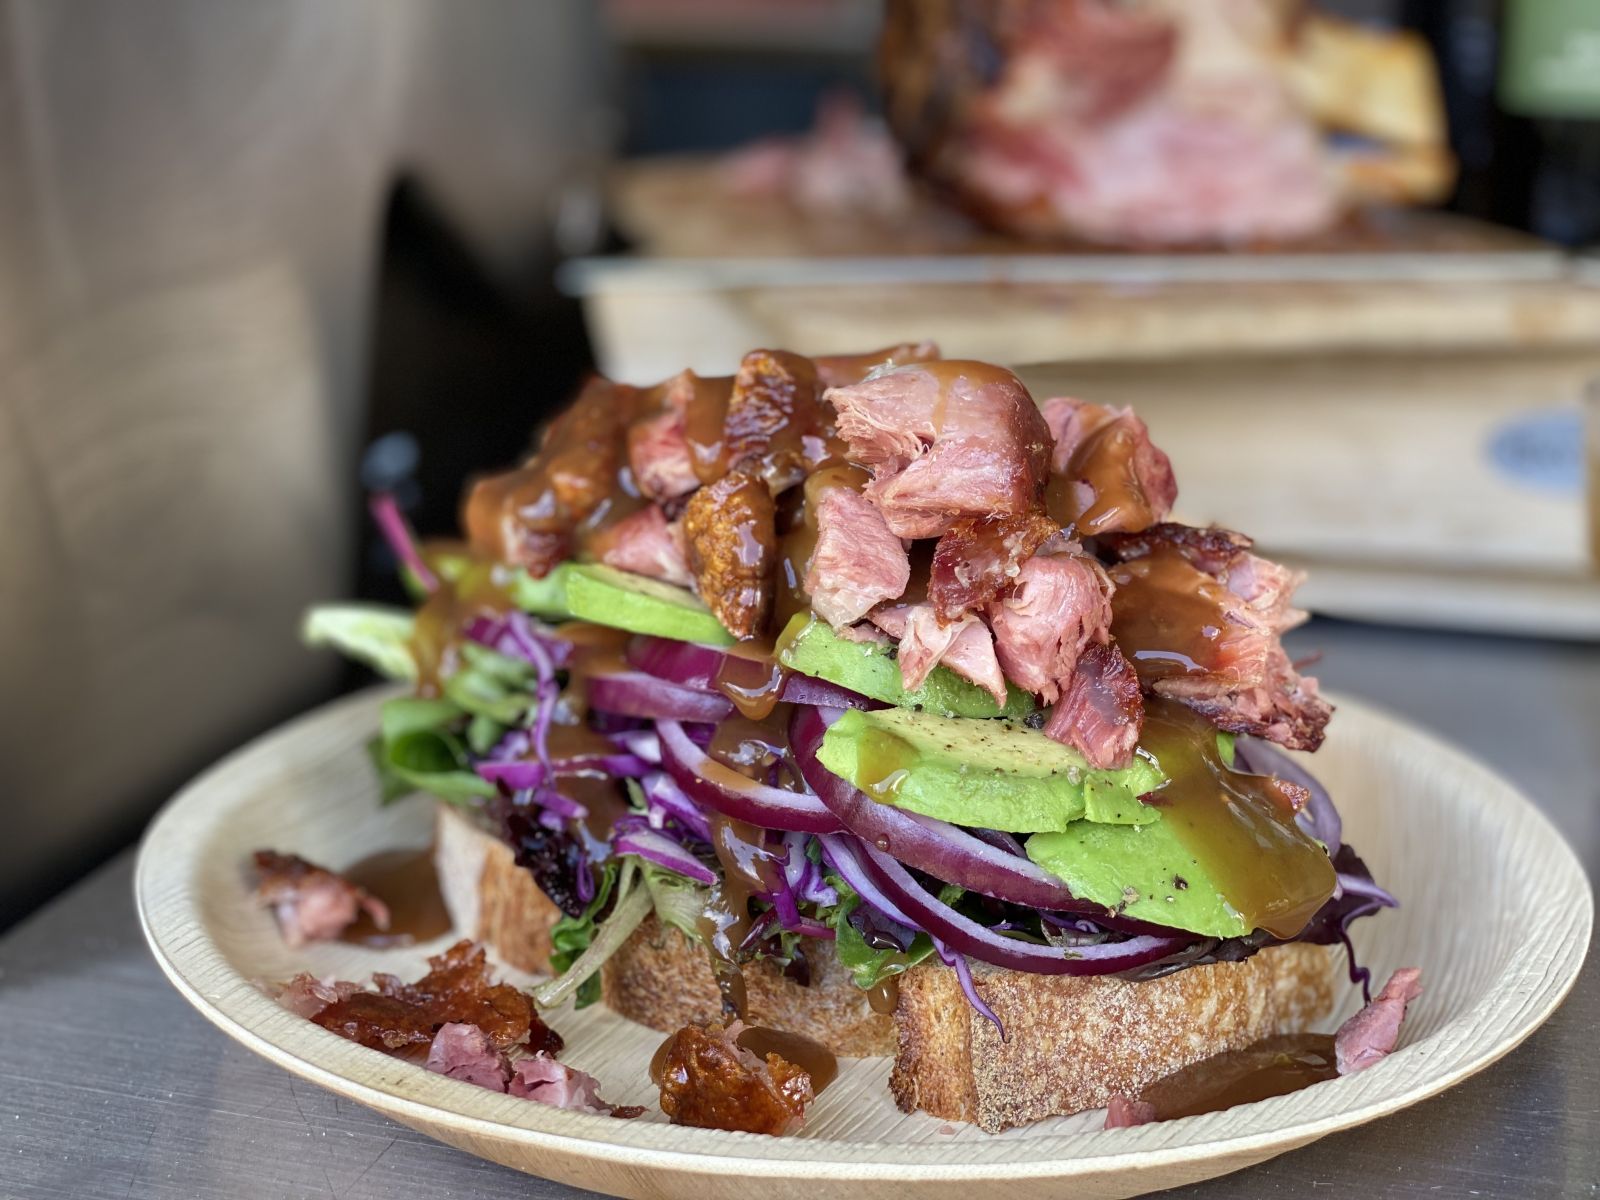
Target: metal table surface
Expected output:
[114,1088]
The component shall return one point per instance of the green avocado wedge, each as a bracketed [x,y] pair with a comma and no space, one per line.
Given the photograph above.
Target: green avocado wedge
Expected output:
[810,647]
[545,598]
[1143,872]
[984,773]
[623,600]
[1226,857]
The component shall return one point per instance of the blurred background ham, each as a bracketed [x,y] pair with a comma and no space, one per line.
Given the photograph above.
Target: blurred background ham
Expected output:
[1161,122]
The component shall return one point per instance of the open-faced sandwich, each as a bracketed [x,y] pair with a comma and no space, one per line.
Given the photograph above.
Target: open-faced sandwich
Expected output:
[865,700]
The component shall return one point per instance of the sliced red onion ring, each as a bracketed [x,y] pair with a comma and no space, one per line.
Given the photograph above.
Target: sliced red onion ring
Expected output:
[968,937]
[664,852]
[936,847]
[637,694]
[691,665]
[1319,817]
[720,787]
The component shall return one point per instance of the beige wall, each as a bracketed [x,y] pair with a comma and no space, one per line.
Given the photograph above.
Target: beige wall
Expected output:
[189,202]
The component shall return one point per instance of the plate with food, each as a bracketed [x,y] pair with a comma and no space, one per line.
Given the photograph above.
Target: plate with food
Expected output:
[844,774]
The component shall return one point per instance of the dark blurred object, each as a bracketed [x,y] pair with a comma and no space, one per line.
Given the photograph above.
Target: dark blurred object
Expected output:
[465,368]
[1161,123]
[704,75]
[1522,86]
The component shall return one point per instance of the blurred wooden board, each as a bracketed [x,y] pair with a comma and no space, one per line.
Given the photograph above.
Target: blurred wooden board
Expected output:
[645,328]
[720,274]
[679,207]
[1525,604]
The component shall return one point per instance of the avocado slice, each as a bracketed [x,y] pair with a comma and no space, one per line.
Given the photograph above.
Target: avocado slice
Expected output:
[985,773]
[1226,857]
[623,600]
[1144,872]
[545,598]
[809,646]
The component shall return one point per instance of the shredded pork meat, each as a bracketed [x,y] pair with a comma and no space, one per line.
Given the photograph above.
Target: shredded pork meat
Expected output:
[945,441]
[311,903]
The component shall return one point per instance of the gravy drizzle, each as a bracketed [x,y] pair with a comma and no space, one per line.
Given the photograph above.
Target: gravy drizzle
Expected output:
[405,880]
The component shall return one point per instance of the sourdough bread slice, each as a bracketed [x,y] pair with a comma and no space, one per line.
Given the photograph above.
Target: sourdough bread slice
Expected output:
[1070,1042]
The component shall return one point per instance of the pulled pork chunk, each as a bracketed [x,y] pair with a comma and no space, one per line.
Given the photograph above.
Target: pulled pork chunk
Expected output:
[1059,606]
[528,517]
[658,454]
[979,558]
[731,528]
[1101,711]
[709,1081]
[1123,1113]
[774,409]
[465,1052]
[541,1078]
[1200,616]
[1108,475]
[456,989]
[1372,1034]
[305,995]
[842,370]
[965,647]
[311,903]
[857,562]
[646,543]
[945,441]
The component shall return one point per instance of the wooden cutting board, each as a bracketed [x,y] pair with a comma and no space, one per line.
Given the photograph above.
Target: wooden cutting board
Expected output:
[716,274]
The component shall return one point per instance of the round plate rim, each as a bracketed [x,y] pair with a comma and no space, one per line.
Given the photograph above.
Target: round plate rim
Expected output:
[750,1155]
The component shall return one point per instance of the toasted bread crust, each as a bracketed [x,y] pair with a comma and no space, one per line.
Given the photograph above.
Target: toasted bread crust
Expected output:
[491,898]
[1073,1042]
[661,979]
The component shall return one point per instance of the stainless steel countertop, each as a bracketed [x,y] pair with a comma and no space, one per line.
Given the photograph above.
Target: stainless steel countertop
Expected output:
[112,1087]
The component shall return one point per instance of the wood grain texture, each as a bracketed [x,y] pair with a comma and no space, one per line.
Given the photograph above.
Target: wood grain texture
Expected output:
[1497,959]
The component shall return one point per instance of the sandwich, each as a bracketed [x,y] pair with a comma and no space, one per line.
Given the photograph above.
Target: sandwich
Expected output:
[866,702]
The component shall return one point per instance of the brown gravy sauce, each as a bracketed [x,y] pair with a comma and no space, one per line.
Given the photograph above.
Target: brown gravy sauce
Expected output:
[749,867]
[1100,488]
[1169,617]
[1275,1066]
[406,881]
[884,996]
[481,591]
[812,1057]
[1270,871]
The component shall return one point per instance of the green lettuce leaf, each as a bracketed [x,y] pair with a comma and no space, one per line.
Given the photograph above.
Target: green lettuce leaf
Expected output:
[373,634]
[571,936]
[869,966]
[417,750]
